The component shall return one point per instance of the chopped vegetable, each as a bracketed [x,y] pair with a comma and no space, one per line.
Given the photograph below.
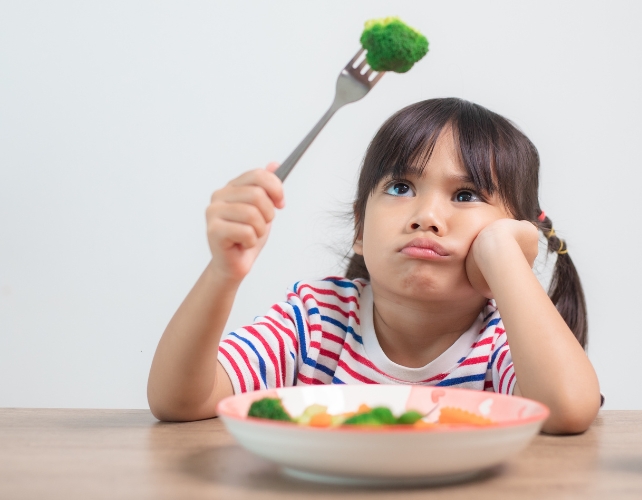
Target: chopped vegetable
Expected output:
[270,408]
[450,415]
[392,45]
[377,416]
[317,416]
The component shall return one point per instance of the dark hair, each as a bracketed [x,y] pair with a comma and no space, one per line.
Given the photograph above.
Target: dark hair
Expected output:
[497,156]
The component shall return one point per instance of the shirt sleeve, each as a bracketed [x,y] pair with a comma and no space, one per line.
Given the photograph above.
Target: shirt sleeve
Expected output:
[502,369]
[265,354]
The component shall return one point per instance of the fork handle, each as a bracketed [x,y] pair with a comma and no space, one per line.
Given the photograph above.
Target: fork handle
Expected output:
[285,168]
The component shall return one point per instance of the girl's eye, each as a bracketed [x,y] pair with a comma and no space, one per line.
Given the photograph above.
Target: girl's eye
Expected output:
[399,189]
[466,195]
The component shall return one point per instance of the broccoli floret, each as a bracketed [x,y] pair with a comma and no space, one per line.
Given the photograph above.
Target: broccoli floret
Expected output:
[377,416]
[270,408]
[409,418]
[392,45]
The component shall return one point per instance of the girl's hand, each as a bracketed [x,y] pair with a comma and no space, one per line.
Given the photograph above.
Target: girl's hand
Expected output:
[493,237]
[239,219]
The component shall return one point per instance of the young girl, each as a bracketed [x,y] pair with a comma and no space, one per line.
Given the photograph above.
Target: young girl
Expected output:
[439,286]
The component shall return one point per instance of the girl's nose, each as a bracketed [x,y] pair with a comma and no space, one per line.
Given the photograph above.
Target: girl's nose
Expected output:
[428,218]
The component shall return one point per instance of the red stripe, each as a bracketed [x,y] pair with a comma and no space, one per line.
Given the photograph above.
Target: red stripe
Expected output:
[488,384]
[281,348]
[255,379]
[334,307]
[354,374]
[486,340]
[364,361]
[499,330]
[475,361]
[235,367]
[270,354]
[498,365]
[350,298]
[501,380]
[510,381]
[441,376]
[332,337]
[309,381]
[285,330]
[329,354]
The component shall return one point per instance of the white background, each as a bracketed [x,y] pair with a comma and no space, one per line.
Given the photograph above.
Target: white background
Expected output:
[119,119]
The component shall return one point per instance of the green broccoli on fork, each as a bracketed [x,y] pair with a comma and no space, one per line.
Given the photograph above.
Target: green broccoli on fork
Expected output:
[392,45]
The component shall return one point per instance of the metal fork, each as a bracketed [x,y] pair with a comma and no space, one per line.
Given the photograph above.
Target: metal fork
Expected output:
[354,82]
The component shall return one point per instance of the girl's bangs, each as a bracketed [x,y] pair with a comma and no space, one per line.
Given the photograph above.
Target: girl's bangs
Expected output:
[406,142]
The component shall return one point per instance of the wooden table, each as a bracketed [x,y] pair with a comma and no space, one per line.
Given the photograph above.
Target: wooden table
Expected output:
[94,454]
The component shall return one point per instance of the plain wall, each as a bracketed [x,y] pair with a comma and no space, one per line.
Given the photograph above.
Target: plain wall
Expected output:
[119,119]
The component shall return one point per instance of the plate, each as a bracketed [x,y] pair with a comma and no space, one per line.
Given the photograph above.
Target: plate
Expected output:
[389,454]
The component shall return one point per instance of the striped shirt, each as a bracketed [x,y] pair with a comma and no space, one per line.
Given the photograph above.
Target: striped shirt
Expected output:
[323,333]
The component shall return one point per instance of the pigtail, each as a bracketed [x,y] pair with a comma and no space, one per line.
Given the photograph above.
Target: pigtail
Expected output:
[565,290]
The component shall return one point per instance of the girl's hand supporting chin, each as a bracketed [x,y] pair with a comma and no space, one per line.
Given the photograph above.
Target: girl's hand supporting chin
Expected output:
[491,238]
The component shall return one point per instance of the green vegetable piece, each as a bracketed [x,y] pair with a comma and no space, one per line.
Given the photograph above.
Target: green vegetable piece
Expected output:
[377,416]
[269,408]
[409,418]
[310,412]
[392,45]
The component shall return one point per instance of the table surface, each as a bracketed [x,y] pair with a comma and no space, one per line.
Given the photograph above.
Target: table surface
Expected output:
[93,454]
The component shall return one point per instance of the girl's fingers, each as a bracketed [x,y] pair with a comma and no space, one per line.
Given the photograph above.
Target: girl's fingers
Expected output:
[252,195]
[243,213]
[265,179]
[230,234]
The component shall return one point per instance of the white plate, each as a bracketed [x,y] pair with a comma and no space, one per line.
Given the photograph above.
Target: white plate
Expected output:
[390,454]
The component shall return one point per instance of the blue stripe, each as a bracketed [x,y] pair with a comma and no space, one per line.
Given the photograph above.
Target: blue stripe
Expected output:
[492,359]
[342,283]
[488,316]
[345,328]
[301,331]
[490,323]
[335,380]
[319,366]
[462,380]
[313,310]
[293,355]
[296,285]
[261,362]
[461,359]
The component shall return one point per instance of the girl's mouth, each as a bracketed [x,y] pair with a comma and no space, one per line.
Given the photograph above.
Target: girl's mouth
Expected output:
[424,248]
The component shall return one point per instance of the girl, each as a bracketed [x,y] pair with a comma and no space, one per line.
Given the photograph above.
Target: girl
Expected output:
[440,284]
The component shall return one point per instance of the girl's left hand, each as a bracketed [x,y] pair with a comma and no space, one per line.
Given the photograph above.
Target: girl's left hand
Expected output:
[490,242]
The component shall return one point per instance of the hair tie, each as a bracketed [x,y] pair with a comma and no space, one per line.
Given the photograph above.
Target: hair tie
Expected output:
[562,246]
[541,216]
[550,233]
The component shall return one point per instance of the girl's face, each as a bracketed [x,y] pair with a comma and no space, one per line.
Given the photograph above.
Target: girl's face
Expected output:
[417,231]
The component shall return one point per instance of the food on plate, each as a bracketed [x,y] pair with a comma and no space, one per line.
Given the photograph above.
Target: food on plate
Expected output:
[270,408]
[392,45]
[317,415]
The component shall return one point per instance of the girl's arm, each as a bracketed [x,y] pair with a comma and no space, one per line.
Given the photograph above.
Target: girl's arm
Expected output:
[186,382]
[550,364]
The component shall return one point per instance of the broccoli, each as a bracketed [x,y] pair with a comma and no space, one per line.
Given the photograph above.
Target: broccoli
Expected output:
[377,416]
[409,418]
[270,408]
[392,45]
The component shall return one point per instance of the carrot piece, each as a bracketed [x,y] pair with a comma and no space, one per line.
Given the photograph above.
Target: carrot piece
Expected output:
[363,408]
[450,415]
[321,420]
[421,424]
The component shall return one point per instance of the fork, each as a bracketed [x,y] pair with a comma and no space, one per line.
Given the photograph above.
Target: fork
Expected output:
[354,82]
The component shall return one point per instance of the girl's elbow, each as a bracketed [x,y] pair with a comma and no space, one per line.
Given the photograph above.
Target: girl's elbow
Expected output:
[572,420]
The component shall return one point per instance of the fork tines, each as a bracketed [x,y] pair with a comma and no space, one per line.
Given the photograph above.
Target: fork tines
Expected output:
[359,68]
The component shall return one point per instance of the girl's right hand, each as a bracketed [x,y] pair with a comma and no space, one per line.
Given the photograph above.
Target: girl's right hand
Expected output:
[239,218]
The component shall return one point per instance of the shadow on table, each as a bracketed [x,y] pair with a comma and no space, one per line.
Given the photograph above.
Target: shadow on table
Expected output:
[236,467]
